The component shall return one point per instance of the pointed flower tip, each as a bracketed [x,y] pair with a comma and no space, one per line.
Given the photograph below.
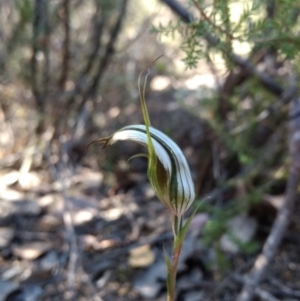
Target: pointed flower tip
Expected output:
[102,140]
[169,174]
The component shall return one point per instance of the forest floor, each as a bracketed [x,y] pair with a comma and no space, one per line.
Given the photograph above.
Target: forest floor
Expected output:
[97,232]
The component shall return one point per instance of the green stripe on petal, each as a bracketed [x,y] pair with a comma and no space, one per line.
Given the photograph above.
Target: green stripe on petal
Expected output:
[170,177]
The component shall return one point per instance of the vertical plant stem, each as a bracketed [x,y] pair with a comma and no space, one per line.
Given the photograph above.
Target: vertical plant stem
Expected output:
[172,269]
[172,273]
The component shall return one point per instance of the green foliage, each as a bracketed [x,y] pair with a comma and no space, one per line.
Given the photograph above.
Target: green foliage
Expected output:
[246,247]
[25,10]
[252,27]
[221,260]
[217,225]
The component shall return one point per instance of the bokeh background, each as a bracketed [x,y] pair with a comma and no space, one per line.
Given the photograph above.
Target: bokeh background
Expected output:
[80,223]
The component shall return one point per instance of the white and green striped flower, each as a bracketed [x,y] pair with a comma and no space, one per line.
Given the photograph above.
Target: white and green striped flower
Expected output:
[168,171]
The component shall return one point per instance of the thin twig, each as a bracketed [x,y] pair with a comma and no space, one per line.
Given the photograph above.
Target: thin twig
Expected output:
[284,289]
[38,8]
[64,173]
[178,9]
[87,279]
[85,79]
[99,20]
[109,50]
[261,293]
[264,295]
[217,171]
[66,45]
[45,49]
[209,21]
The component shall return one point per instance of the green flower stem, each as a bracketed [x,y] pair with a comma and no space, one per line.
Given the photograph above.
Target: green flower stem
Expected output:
[172,273]
[180,231]
[172,267]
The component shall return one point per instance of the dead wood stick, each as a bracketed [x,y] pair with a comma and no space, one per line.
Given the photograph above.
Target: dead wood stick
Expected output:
[282,219]
[264,295]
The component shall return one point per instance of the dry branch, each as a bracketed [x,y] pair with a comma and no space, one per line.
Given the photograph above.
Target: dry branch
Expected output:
[38,12]
[66,44]
[40,41]
[109,50]
[99,21]
[261,293]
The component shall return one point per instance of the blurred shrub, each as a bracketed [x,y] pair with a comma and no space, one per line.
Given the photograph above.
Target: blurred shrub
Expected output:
[252,47]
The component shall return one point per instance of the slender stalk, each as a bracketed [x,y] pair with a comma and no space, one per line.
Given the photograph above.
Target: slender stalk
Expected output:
[172,273]
[172,269]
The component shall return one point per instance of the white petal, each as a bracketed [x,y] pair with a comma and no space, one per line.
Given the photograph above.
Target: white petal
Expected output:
[173,160]
[130,133]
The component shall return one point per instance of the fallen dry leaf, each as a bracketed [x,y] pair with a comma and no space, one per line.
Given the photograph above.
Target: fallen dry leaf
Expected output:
[275,200]
[8,177]
[49,222]
[50,199]
[141,257]
[91,242]
[31,251]
[29,180]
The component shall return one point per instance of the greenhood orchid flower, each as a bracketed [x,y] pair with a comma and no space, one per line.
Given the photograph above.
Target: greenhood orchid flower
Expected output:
[168,171]
[169,175]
